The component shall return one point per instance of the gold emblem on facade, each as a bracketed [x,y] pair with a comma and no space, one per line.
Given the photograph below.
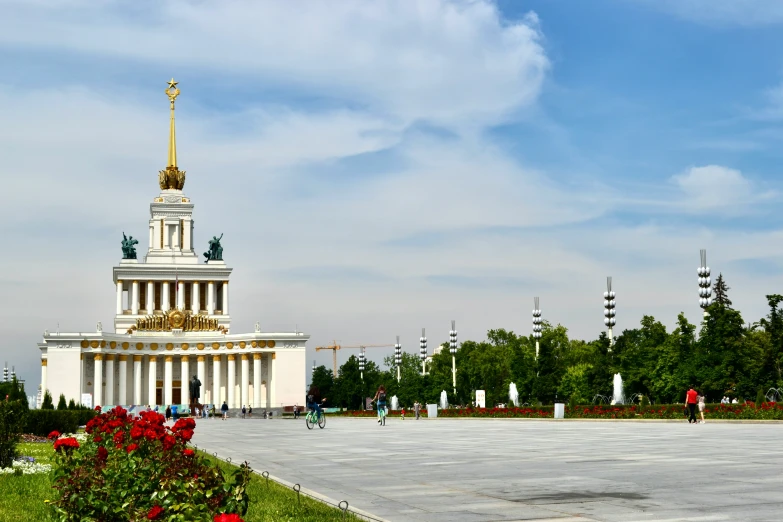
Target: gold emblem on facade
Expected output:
[177,319]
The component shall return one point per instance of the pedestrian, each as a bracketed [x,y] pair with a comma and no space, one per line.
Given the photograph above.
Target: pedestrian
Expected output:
[250,411]
[691,400]
[402,413]
[174,412]
[296,411]
[168,413]
[244,411]
[417,409]
[224,409]
[702,401]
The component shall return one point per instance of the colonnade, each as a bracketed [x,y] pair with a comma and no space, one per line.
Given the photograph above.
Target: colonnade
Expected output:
[167,289]
[255,388]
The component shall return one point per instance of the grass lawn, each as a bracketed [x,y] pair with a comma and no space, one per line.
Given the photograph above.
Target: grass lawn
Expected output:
[22,497]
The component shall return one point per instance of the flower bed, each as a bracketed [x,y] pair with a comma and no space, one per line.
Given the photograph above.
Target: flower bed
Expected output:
[747,411]
[139,469]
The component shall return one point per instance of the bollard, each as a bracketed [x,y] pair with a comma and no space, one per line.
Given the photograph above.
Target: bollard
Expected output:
[265,474]
[297,488]
[345,509]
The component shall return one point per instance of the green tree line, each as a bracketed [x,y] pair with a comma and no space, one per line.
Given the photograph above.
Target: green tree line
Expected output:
[723,356]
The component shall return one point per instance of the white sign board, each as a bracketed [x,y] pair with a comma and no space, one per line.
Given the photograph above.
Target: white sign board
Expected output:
[87,400]
[480,399]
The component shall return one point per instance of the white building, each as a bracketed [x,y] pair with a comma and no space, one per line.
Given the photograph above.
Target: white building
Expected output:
[171,322]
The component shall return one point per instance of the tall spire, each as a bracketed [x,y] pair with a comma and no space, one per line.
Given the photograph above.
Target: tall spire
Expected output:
[172,177]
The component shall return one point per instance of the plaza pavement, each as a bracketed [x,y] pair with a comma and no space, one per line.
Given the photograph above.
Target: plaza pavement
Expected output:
[443,470]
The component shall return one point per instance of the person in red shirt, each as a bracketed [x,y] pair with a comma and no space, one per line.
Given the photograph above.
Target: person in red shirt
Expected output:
[691,399]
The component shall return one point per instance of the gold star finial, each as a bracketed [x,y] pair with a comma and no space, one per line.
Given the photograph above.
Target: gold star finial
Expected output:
[172,92]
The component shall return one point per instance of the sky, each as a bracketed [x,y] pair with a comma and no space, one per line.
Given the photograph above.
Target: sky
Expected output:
[378,167]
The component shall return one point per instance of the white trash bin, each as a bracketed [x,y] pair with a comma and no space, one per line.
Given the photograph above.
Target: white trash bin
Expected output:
[432,411]
[559,410]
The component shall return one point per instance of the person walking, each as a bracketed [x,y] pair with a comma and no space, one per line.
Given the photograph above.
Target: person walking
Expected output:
[691,400]
[174,412]
[244,411]
[380,397]
[417,409]
[168,413]
[296,411]
[250,412]
[224,409]
[702,401]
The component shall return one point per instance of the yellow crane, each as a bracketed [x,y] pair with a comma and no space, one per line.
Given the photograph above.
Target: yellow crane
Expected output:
[334,347]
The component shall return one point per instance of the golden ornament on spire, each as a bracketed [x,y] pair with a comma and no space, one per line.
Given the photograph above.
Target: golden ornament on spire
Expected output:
[172,177]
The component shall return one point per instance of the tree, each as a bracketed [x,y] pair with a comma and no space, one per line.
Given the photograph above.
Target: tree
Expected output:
[47,404]
[324,381]
[721,292]
[61,404]
[773,356]
[71,405]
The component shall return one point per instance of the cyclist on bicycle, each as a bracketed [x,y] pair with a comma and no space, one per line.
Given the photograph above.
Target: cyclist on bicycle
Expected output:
[314,399]
[380,397]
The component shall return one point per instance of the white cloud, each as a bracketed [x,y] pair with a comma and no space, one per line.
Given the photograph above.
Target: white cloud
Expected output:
[746,13]
[714,187]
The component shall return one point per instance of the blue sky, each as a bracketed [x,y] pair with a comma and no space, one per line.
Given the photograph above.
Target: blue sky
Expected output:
[378,167]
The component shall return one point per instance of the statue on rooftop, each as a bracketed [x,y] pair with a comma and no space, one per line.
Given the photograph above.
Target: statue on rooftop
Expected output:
[128,247]
[215,252]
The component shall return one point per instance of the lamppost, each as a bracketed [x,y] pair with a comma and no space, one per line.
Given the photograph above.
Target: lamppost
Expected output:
[423,351]
[362,359]
[609,311]
[453,350]
[705,290]
[537,323]
[398,357]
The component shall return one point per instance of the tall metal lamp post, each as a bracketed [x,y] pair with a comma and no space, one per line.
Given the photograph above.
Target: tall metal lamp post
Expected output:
[609,311]
[537,328]
[423,351]
[705,290]
[453,350]
[362,359]
[398,357]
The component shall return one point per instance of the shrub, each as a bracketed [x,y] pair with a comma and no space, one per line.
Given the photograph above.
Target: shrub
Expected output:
[47,403]
[760,398]
[139,469]
[12,416]
[71,405]
[42,422]
[61,404]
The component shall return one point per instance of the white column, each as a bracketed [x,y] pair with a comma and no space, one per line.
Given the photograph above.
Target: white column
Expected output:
[135,298]
[216,380]
[165,231]
[187,228]
[194,297]
[119,297]
[152,377]
[150,297]
[168,385]
[232,380]
[245,386]
[201,371]
[122,398]
[256,380]
[225,297]
[211,298]
[151,237]
[137,379]
[44,382]
[110,379]
[97,381]
[270,382]
[184,365]
[165,299]
[181,295]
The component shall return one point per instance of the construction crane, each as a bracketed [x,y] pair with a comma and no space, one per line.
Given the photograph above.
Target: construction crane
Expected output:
[334,347]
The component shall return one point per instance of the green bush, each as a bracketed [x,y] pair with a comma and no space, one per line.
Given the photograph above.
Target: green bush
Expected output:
[43,422]
[61,404]
[760,399]
[12,417]
[47,403]
[71,405]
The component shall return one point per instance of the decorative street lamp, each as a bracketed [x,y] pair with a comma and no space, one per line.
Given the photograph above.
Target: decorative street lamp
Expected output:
[705,291]
[537,328]
[313,366]
[398,357]
[423,351]
[453,350]
[362,359]
[609,311]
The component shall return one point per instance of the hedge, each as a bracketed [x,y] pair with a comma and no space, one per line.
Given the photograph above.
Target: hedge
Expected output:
[43,422]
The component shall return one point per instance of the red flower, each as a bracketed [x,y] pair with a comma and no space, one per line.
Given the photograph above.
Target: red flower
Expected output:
[119,437]
[225,517]
[103,453]
[169,442]
[185,434]
[132,447]
[97,438]
[154,513]
[136,432]
[188,452]
[54,435]
[66,444]
[98,409]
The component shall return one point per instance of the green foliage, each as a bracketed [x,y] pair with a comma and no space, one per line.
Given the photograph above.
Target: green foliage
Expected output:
[61,404]
[71,405]
[23,497]
[760,399]
[575,384]
[12,417]
[46,403]
[43,422]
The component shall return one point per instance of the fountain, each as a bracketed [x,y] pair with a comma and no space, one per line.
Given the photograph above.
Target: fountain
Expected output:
[618,397]
[444,401]
[513,394]
[774,395]
[395,403]
[601,399]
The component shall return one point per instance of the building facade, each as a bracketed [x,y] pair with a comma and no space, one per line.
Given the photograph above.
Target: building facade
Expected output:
[172,322]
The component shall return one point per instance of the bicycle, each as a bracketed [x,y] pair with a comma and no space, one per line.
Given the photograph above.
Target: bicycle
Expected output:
[312,418]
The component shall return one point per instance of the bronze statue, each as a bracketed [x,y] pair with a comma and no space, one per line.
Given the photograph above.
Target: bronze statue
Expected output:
[128,248]
[215,252]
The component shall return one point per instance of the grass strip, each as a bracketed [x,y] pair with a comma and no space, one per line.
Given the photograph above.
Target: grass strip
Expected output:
[22,496]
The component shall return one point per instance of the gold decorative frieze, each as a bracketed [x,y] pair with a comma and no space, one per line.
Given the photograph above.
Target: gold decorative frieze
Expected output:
[177,320]
[229,345]
[125,346]
[262,344]
[254,344]
[200,346]
[185,346]
[43,362]
[270,344]
[123,358]
[139,346]
[113,345]
[169,346]
[215,346]
[137,358]
[85,344]
[242,344]
[200,358]
[153,346]
[256,356]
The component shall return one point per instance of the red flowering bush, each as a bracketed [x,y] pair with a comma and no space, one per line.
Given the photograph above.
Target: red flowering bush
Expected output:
[227,518]
[139,469]
[54,435]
